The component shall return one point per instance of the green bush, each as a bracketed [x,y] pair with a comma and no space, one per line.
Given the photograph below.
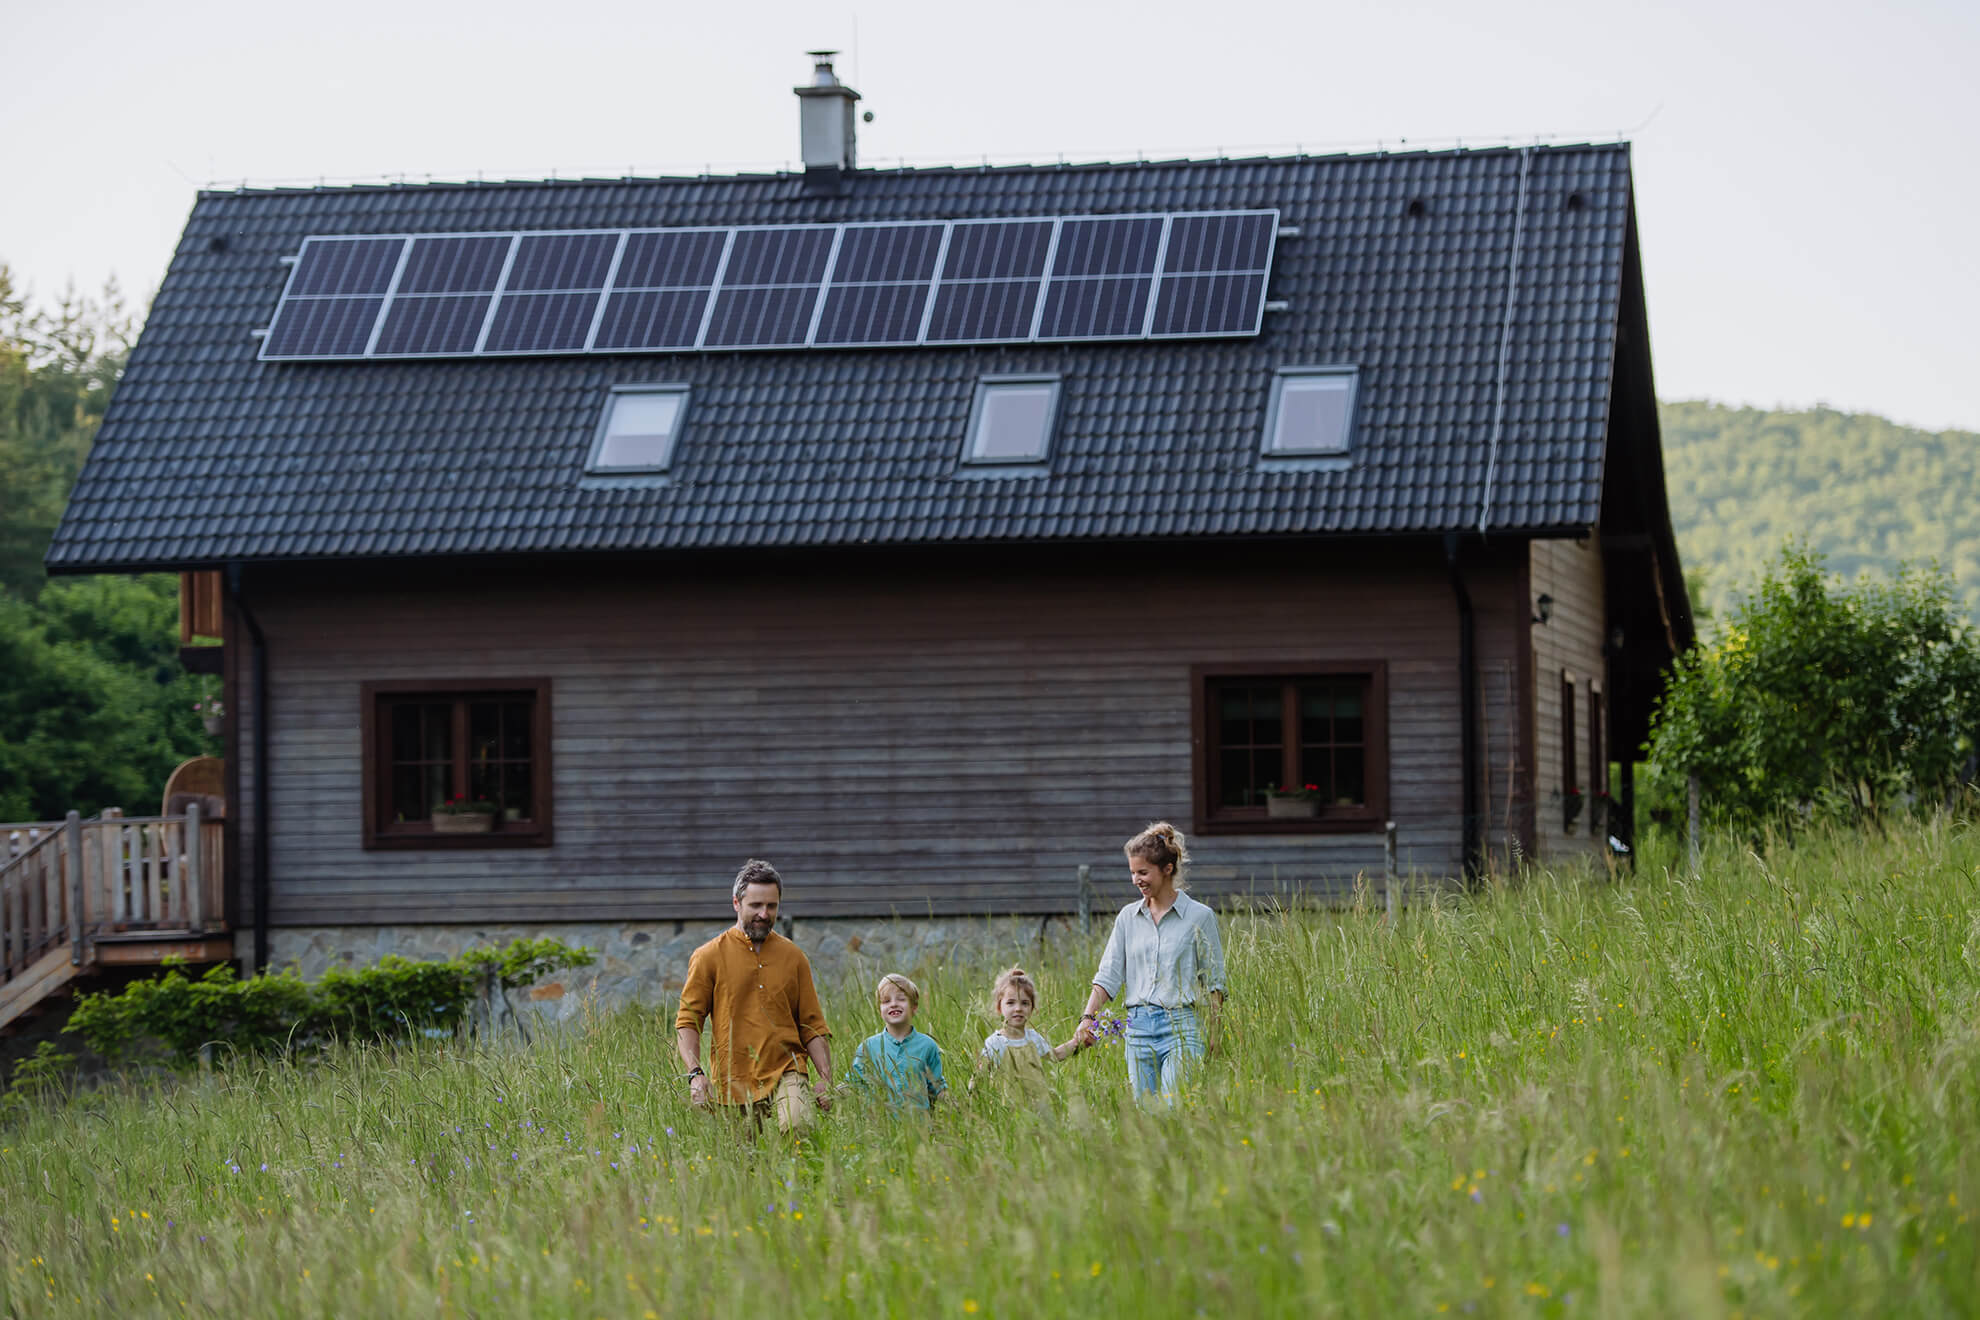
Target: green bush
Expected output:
[1820,697]
[276,1013]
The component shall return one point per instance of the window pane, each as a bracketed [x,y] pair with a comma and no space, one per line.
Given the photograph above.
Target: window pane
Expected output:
[1267,717]
[439,786]
[1312,416]
[437,730]
[515,730]
[639,434]
[408,801]
[405,732]
[484,731]
[1235,709]
[1267,768]
[485,780]
[1347,714]
[1350,788]
[1234,778]
[516,791]
[1316,714]
[1012,420]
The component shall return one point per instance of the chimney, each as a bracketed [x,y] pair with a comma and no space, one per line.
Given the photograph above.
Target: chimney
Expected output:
[825,116]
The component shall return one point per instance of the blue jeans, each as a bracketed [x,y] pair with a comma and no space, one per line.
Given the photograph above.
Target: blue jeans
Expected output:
[1163,1048]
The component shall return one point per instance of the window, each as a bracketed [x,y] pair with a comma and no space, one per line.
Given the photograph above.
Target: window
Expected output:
[1571,803]
[1323,725]
[426,743]
[1311,413]
[1012,419]
[640,429]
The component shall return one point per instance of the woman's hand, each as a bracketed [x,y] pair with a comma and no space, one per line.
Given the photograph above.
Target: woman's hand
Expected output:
[1085,1035]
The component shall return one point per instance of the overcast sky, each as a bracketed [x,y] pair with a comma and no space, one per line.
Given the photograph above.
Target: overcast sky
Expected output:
[1806,177]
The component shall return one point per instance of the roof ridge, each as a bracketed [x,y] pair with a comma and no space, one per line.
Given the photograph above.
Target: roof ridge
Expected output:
[431,184]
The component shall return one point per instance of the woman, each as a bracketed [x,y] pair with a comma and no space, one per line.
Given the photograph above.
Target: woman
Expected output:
[1166,955]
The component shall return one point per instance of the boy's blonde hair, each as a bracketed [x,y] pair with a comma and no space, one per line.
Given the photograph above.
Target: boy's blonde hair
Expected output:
[1015,978]
[902,984]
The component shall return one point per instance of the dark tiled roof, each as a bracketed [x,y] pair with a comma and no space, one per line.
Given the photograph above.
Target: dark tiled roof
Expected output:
[208,454]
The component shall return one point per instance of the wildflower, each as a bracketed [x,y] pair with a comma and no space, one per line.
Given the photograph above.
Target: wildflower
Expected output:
[1561,1229]
[969,1306]
[1095,1271]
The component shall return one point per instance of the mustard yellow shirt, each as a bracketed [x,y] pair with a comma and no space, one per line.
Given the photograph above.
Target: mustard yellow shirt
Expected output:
[764,1011]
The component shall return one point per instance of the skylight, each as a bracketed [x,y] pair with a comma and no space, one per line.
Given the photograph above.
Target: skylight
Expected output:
[1012,420]
[1312,411]
[638,433]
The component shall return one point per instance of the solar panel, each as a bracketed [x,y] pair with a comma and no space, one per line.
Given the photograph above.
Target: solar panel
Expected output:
[1213,275]
[770,287]
[990,281]
[879,289]
[858,284]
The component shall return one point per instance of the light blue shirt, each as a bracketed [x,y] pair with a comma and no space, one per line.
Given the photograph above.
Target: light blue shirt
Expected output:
[909,1070]
[1172,963]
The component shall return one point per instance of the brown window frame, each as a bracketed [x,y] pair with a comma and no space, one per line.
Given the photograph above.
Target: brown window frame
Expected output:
[1368,818]
[382,833]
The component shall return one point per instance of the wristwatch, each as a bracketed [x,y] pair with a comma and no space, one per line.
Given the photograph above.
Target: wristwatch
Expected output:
[697,1071]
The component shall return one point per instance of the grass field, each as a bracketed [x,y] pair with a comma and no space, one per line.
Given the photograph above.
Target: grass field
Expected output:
[1754,1093]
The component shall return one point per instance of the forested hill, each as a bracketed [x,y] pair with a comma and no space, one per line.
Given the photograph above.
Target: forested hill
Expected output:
[1865,492]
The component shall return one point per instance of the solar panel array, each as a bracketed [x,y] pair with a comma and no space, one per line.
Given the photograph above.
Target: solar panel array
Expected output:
[857,285]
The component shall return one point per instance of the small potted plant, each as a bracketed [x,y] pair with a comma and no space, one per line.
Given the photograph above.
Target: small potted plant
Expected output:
[212,714]
[464,815]
[1292,802]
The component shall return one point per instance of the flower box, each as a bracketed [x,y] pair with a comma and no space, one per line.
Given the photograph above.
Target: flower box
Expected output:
[1287,806]
[463,822]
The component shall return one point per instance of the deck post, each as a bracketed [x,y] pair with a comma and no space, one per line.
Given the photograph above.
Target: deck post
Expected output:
[191,882]
[1085,900]
[73,860]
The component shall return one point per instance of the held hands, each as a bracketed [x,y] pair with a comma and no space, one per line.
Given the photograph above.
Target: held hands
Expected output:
[699,1092]
[1084,1036]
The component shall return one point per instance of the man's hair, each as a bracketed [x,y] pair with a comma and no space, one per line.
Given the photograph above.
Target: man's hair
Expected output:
[755,871]
[902,984]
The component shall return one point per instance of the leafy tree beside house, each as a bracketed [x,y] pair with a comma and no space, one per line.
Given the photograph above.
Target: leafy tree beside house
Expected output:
[1848,699]
[95,709]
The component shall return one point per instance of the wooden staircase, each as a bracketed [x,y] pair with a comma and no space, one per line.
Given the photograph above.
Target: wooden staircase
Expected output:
[80,895]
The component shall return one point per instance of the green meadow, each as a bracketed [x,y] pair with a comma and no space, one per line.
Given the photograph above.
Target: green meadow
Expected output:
[1753,1092]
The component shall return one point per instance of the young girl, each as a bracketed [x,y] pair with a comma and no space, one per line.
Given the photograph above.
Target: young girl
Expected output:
[1016,1053]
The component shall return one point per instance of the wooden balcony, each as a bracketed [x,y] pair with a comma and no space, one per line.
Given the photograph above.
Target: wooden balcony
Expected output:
[80,895]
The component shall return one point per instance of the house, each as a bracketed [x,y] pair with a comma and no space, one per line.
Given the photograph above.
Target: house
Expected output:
[927,531]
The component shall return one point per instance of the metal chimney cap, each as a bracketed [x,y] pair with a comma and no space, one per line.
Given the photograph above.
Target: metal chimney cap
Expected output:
[821,74]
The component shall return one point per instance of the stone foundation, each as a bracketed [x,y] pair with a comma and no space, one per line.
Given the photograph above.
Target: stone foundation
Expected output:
[645,962]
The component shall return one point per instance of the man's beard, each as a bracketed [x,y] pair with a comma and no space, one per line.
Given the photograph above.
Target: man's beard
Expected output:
[757,928]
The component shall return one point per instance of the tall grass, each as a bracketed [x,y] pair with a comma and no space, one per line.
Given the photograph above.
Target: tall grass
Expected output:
[1752,1092]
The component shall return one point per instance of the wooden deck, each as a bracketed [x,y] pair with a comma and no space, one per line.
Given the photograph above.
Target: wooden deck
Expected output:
[78,895]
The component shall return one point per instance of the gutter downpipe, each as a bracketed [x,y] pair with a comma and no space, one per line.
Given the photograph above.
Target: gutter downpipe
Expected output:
[261,886]
[1467,712]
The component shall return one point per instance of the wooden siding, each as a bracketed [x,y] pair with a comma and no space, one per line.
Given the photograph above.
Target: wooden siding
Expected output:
[957,736]
[1571,641]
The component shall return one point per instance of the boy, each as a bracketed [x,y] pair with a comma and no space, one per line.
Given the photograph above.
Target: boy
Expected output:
[905,1062]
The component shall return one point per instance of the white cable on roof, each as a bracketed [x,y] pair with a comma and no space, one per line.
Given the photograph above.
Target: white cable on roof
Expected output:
[1505,339]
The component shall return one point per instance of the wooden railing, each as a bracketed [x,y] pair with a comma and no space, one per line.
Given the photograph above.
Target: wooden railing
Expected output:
[78,882]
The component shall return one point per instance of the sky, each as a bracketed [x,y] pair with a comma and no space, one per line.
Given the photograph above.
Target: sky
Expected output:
[1806,175]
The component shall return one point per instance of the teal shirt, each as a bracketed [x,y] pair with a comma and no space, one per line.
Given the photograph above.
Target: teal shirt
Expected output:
[909,1069]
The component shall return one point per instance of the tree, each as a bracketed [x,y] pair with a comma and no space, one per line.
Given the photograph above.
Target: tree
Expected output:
[1850,699]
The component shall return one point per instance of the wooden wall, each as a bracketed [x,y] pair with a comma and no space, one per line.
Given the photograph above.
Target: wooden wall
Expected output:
[1571,641]
[925,734]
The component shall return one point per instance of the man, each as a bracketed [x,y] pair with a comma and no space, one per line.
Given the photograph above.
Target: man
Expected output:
[757,986]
